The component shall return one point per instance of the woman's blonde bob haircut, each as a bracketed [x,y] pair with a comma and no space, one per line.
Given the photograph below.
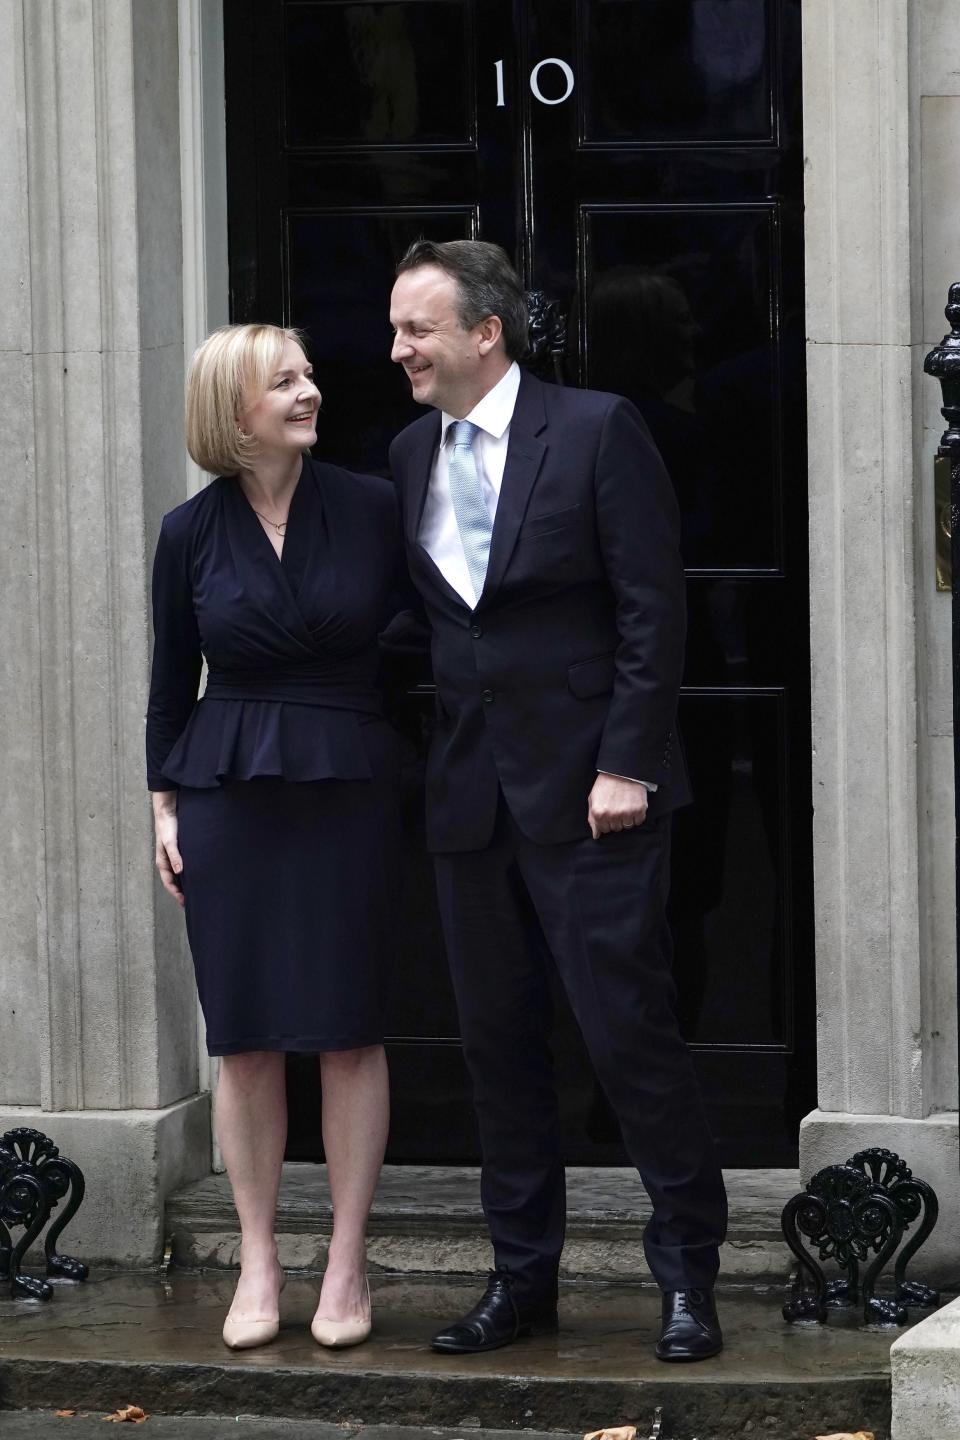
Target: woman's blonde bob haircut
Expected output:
[228,373]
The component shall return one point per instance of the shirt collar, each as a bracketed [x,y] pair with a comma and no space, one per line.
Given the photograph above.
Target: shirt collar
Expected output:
[495,411]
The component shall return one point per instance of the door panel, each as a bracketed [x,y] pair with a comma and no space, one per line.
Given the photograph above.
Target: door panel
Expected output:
[364,75]
[668,71]
[641,161]
[725,905]
[695,356]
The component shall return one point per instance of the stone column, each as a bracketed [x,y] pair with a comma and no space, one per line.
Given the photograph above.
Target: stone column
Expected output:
[877,1036]
[203,195]
[97,1005]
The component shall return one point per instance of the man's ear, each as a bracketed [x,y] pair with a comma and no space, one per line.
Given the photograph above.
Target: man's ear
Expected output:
[490,331]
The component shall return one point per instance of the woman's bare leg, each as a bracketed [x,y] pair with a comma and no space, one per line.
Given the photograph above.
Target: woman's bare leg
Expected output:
[356,1114]
[251,1117]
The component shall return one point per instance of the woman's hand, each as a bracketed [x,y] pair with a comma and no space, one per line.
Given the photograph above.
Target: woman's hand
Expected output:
[168,861]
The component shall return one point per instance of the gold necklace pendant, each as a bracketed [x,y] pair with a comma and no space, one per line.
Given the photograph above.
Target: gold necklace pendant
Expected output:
[279,525]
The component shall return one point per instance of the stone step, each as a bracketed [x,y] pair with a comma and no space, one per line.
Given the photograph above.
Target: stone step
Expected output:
[155,1342]
[427,1220]
[37,1425]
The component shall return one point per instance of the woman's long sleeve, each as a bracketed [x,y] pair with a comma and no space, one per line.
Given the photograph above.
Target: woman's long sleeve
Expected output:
[177,659]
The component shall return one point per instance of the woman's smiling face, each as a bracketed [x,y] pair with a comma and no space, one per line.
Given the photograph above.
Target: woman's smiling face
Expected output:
[284,418]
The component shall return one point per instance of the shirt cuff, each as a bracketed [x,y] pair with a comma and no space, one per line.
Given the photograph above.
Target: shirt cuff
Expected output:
[647,783]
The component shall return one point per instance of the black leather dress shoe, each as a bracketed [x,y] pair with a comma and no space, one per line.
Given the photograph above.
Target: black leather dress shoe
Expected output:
[691,1330]
[496,1320]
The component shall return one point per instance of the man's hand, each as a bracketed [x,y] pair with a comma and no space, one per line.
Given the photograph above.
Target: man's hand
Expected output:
[616,804]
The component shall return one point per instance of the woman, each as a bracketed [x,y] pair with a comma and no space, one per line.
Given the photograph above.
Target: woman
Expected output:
[274,795]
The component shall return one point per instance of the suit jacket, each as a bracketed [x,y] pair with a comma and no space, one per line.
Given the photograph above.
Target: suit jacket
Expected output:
[571,662]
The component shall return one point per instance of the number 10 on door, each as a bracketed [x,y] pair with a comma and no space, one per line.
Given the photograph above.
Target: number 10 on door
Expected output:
[535,73]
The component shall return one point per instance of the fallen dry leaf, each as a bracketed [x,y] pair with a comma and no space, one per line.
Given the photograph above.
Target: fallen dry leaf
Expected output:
[128,1412]
[615,1432]
[64,1413]
[849,1435]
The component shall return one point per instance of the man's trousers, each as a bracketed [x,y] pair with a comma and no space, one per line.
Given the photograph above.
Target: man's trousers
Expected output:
[595,908]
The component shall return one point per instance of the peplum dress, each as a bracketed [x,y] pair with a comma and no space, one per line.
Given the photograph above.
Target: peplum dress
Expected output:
[286,771]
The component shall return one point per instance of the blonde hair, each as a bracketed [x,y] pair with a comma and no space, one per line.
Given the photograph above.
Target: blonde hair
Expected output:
[228,373]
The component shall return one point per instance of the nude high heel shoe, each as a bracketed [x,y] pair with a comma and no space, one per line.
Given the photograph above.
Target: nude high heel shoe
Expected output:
[338,1334]
[249,1332]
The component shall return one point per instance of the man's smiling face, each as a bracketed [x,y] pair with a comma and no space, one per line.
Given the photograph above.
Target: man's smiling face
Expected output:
[442,360]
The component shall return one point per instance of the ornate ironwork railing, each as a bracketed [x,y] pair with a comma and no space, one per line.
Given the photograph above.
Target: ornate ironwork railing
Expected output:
[858,1215]
[34,1179]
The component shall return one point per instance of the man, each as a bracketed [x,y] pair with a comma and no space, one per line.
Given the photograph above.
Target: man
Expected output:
[542,534]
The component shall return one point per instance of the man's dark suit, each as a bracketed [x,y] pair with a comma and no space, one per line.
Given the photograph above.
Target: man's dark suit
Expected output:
[569,664]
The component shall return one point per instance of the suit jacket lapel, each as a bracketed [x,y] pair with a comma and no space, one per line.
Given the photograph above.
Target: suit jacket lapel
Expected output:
[524,457]
[415,482]
[418,477]
[432,575]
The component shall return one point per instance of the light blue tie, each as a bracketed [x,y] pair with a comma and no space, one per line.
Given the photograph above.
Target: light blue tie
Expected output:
[473,517]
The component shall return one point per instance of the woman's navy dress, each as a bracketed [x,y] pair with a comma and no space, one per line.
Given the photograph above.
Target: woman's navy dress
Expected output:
[286,770]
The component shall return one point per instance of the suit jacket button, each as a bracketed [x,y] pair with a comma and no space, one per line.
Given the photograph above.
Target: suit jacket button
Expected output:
[488,697]
[476,631]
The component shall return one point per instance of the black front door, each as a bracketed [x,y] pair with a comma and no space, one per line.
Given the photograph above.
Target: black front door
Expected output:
[641,161]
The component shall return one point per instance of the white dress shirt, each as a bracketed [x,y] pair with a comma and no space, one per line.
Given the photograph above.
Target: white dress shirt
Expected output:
[439,533]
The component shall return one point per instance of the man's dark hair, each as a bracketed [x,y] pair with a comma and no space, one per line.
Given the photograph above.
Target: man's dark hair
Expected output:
[487,284]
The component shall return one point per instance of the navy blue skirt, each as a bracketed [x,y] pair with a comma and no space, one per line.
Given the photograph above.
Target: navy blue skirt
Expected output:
[292,894]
